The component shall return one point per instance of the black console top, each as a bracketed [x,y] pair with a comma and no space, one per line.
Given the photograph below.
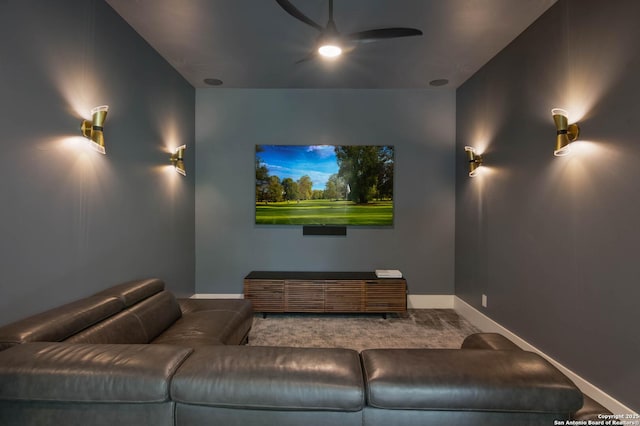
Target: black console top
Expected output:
[308,276]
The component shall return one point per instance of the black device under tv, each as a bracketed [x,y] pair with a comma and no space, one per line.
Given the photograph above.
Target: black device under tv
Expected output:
[324,230]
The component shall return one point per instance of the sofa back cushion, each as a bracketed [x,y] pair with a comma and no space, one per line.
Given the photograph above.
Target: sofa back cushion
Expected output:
[134,291]
[59,323]
[157,313]
[271,378]
[132,312]
[123,328]
[140,323]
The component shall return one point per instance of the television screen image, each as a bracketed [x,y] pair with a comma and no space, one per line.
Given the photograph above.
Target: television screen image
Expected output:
[343,185]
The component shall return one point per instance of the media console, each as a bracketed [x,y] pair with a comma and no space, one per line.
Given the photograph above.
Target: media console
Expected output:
[338,292]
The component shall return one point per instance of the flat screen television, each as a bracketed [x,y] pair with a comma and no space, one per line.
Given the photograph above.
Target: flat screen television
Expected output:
[336,185]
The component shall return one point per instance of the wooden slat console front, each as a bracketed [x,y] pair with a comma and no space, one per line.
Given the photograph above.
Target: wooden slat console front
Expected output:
[344,292]
[269,294]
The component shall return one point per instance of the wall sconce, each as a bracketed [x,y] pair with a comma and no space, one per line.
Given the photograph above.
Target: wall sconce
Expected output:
[475,160]
[566,134]
[177,160]
[92,130]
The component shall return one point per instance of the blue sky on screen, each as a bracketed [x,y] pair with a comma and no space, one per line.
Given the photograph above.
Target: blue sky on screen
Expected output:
[294,161]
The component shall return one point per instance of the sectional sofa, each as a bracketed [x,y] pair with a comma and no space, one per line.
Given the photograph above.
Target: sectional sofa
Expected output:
[135,355]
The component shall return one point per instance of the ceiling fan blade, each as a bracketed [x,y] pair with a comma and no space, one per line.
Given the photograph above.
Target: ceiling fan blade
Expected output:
[311,56]
[293,11]
[383,33]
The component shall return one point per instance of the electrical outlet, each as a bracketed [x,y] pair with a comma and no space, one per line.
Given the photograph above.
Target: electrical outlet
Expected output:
[484,300]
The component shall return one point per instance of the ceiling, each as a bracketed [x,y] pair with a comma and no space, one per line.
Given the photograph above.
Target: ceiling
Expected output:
[255,43]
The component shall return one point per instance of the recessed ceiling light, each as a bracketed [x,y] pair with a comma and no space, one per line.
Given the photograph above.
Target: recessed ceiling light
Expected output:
[213,81]
[439,82]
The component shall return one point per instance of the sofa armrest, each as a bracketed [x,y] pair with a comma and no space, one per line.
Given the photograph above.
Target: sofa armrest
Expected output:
[468,380]
[63,372]
[590,408]
[488,341]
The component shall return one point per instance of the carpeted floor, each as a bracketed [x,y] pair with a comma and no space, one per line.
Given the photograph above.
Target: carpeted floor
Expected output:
[418,328]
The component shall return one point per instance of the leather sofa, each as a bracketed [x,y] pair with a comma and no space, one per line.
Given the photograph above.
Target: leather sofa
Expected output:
[136,312]
[135,355]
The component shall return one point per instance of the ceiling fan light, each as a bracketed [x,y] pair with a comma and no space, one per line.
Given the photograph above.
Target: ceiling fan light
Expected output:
[330,50]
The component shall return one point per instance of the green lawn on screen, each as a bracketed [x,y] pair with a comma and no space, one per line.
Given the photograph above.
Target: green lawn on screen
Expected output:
[325,212]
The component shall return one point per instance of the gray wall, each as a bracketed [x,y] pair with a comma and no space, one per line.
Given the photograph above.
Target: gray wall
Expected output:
[552,241]
[230,122]
[74,222]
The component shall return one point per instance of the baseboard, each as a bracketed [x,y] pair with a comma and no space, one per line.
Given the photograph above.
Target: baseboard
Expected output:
[486,324]
[430,301]
[217,296]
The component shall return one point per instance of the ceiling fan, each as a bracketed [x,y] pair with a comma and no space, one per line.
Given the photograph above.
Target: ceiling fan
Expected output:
[331,43]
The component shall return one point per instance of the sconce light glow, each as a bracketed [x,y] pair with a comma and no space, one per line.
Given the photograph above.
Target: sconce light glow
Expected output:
[475,160]
[566,133]
[177,160]
[93,130]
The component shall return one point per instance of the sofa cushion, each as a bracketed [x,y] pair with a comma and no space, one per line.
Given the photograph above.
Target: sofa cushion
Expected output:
[201,415]
[196,329]
[459,379]
[210,321]
[271,378]
[383,417]
[88,373]
[134,291]
[33,413]
[59,323]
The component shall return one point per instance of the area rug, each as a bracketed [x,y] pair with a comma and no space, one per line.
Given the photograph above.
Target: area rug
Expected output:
[417,328]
